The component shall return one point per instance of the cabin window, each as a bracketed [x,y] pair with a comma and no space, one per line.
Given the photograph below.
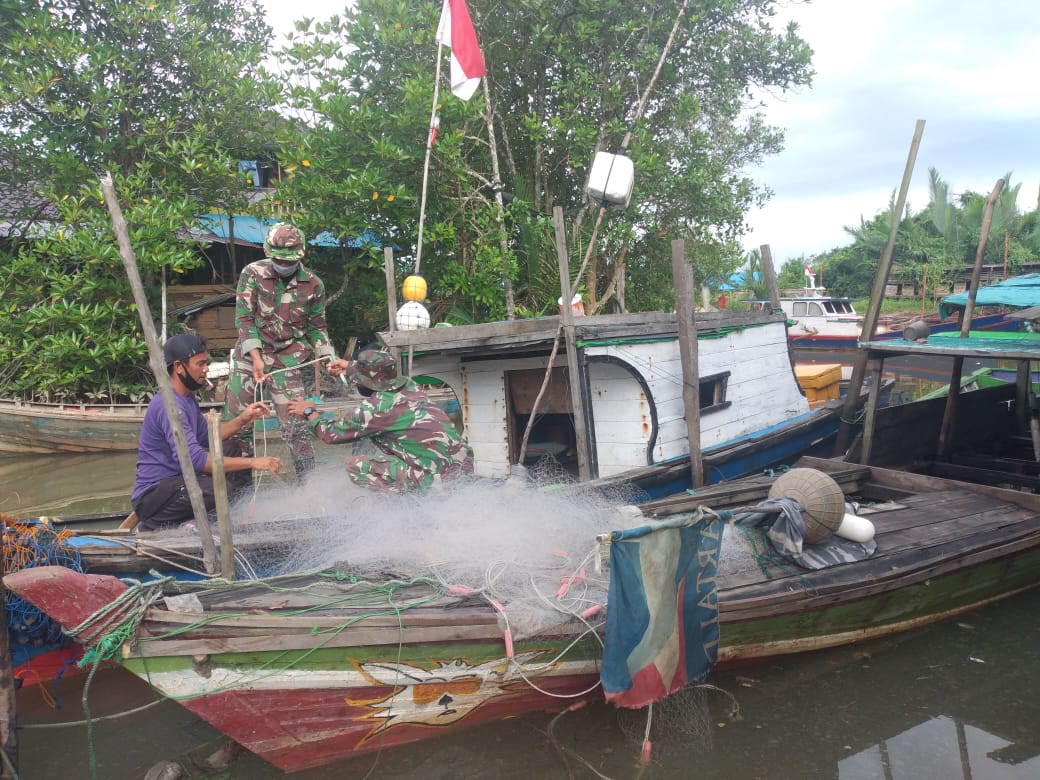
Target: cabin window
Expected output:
[713,392]
[798,309]
[815,310]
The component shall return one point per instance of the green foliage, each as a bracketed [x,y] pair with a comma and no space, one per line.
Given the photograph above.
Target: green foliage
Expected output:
[163,95]
[564,80]
[935,244]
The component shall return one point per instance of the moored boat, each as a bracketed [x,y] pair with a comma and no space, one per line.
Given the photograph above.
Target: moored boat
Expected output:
[34,427]
[311,669]
[831,322]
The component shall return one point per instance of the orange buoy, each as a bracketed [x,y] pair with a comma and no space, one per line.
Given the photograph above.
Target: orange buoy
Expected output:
[414,289]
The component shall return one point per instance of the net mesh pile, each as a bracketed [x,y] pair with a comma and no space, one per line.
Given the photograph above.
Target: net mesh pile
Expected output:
[27,545]
[529,550]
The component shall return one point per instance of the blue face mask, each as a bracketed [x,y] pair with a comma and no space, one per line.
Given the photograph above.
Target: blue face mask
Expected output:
[284,270]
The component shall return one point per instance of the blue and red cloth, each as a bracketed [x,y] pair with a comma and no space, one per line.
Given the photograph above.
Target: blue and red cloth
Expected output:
[662,618]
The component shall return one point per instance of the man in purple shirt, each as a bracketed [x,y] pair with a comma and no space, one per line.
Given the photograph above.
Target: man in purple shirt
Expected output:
[160,497]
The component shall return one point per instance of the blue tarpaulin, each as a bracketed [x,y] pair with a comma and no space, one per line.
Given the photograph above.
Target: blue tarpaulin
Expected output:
[1018,292]
[662,609]
[254,229]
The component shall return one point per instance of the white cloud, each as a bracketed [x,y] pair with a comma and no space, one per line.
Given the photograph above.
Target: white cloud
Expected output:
[881,64]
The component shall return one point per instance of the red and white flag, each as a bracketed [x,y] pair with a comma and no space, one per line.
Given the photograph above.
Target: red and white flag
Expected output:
[808,270]
[467,61]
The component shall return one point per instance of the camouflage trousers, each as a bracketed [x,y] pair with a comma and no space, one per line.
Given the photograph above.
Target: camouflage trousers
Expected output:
[386,473]
[281,388]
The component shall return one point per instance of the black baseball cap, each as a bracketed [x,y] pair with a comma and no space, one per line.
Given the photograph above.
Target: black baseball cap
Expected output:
[182,346]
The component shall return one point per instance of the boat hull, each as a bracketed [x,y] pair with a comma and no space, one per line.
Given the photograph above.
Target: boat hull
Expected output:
[300,719]
[333,708]
[49,428]
[850,340]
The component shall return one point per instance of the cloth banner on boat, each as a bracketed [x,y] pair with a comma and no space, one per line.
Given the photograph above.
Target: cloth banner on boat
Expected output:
[787,533]
[662,608]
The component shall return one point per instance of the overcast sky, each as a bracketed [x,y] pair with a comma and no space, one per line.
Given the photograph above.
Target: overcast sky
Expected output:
[970,69]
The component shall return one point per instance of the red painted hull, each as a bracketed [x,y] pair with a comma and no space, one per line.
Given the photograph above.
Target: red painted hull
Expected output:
[301,729]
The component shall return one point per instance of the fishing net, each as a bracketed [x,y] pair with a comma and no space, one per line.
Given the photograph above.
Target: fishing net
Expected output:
[27,545]
[528,550]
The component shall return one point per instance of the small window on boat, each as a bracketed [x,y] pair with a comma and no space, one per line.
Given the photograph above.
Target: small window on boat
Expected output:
[815,310]
[798,309]
[713,392]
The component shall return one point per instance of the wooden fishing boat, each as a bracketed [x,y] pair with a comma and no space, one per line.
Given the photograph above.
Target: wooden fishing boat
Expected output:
[46,428]
[311,669]
[830,322]
[33,427]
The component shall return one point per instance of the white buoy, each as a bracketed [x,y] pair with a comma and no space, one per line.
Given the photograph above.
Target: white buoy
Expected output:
[611,179]
[855,529]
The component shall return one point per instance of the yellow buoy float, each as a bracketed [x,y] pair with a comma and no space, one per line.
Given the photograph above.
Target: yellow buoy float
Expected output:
[414,289]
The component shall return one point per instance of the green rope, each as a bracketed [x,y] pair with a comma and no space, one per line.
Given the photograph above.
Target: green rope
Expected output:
[91,753]
[10,766]
[75,723]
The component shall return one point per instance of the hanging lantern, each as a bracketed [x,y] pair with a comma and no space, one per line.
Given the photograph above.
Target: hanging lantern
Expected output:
[414,289]
[412,316]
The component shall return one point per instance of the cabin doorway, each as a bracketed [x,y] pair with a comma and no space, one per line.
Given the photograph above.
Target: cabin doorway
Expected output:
[552,442]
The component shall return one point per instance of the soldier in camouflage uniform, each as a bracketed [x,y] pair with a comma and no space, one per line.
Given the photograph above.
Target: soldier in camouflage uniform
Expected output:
[280,316]
[417,441]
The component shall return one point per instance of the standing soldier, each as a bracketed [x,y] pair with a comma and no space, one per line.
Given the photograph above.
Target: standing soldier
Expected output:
[418,442]
[280,316]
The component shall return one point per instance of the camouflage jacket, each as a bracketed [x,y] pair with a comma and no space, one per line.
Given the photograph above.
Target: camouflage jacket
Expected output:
[284,318]
[404,424]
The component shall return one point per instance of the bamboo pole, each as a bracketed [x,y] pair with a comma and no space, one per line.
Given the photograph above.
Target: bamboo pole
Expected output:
[538,400]
[158,366]
[682,276]
[216,459]
[877,295]
[574,372]
[949,421]
[500,207]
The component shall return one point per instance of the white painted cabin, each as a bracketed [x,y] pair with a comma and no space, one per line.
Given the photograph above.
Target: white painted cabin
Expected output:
[819,315]
[632,385]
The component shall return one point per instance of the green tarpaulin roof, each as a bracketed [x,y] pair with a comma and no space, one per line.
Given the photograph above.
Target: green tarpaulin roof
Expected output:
[1017,292]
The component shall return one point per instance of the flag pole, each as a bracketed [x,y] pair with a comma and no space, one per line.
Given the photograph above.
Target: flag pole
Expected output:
[430,138]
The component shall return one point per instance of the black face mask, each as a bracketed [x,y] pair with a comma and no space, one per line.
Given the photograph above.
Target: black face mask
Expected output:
[189,382]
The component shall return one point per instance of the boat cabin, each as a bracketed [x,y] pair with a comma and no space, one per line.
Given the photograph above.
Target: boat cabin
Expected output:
[630,379]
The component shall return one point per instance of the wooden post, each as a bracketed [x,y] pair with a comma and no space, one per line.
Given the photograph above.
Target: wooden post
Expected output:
[949,421]
[216,458]
[682,278]
[574,370]
[976,271]
[1023,386]
[158,366]
[391,296]
[769,272]
[877,296]
[8,701]
[871,413]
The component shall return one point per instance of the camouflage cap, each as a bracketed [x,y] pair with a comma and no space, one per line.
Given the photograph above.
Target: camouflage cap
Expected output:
[285,242]
[376,370]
